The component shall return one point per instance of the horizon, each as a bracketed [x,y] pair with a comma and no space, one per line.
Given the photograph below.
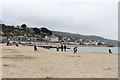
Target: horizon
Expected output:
[88,17]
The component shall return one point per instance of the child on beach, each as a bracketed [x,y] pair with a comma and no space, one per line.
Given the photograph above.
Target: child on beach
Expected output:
[57,47]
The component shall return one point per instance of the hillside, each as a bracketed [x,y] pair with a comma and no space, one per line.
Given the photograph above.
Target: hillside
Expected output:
[108,41]
[42,32]
[24,31]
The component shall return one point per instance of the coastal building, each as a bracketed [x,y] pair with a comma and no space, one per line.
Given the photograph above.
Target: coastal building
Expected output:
[81,42]
[64,38]
[33,39]
[54,39]
[48,38]
[69,39]
[1,32]
[73,43]
[18,26]
[102,43]
[21,38]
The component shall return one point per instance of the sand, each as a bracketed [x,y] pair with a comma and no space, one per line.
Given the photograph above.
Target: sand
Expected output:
[23,62]
[0,62]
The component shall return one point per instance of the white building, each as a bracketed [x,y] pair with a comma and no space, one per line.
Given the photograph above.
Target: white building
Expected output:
[54,39]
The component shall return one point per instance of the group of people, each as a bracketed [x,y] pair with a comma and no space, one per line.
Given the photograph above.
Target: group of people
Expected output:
[10,44]
[62,48]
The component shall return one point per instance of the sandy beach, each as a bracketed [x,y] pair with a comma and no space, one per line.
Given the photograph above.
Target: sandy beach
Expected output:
[23,62]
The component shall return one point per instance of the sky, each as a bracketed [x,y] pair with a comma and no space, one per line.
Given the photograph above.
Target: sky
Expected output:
[87,17]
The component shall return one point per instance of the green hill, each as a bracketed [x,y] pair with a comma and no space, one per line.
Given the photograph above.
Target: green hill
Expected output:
[24,31]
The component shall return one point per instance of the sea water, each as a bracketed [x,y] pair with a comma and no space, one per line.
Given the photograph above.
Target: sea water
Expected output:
[99,49]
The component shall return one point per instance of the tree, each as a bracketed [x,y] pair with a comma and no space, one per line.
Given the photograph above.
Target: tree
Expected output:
[3,26]
[12,27]
[36,30]
[46,31]
[17,26]
[24,27]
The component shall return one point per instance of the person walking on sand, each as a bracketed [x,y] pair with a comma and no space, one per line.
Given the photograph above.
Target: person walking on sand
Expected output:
[7,44]
[17,45]
[75,49]
[61,47]
[65,48]
[110,51]
[35,48]
[57,47]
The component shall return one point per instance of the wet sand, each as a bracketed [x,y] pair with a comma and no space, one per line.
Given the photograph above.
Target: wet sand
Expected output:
[54,45]
[23,62]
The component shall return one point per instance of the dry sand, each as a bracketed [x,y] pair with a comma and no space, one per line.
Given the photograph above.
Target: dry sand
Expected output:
[0,62]
[23,62]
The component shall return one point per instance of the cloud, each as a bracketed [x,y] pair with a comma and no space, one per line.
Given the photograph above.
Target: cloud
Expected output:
[78,16]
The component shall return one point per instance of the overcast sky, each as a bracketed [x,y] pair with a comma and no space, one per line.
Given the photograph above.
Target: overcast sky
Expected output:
[88,17]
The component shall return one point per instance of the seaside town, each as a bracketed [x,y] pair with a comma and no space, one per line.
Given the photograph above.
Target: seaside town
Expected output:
[50,40]
[40,36]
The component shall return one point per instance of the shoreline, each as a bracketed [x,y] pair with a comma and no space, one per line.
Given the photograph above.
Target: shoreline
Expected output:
[68,47]
[54,45]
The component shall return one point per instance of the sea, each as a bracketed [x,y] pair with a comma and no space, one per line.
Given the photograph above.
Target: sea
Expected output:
[115,50]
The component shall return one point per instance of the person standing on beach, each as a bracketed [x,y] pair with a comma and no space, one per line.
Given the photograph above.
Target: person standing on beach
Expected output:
[35,48]
[65,48]
[110,51]
[75,49]
[7,43]
[61,47]
[17,45]
[57,47]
